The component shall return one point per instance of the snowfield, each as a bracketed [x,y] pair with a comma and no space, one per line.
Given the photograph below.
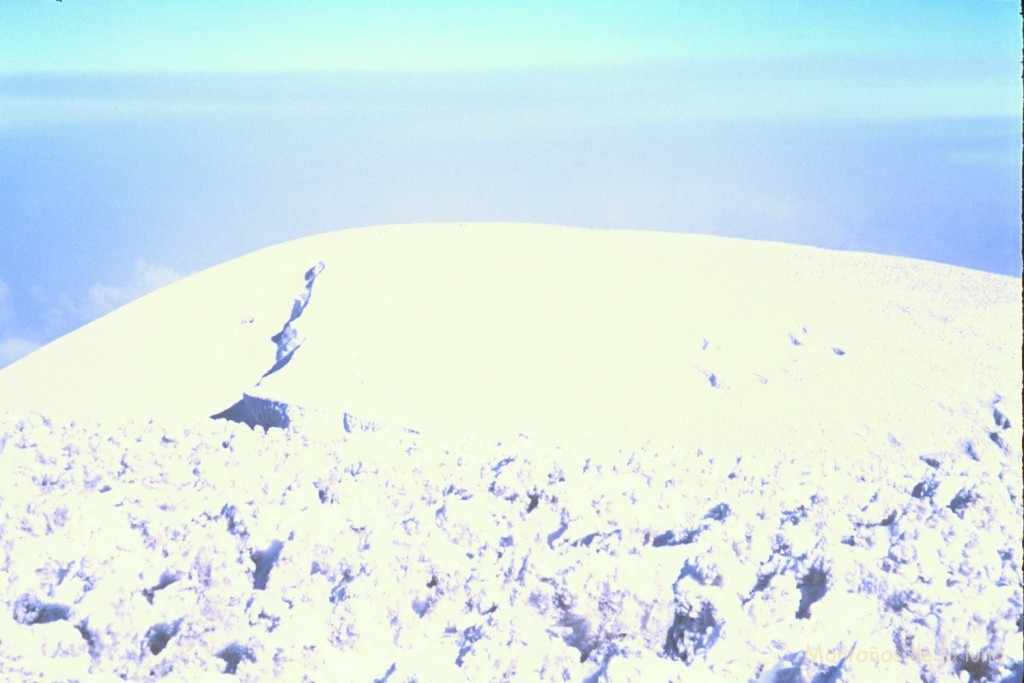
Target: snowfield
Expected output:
[517,452]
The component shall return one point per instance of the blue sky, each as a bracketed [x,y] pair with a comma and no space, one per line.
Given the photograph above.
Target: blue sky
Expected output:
[143,141]
[258,35]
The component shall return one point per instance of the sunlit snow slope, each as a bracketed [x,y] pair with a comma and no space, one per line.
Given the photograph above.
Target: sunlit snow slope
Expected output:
[558,332]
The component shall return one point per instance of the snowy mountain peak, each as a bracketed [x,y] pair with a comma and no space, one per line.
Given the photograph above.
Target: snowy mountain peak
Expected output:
[637,456]
[559,333]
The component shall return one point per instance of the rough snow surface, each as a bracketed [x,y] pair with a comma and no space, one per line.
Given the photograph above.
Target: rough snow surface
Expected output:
[138,552]
[523,453]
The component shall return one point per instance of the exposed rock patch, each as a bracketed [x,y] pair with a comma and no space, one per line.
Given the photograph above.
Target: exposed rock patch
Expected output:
[256,411]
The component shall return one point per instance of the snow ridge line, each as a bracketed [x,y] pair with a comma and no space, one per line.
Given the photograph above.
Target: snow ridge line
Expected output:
[287,340]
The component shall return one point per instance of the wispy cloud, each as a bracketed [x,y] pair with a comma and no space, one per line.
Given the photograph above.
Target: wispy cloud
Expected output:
[491,101]
[147,277]
[59,314]
[13,348]
[6,306]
